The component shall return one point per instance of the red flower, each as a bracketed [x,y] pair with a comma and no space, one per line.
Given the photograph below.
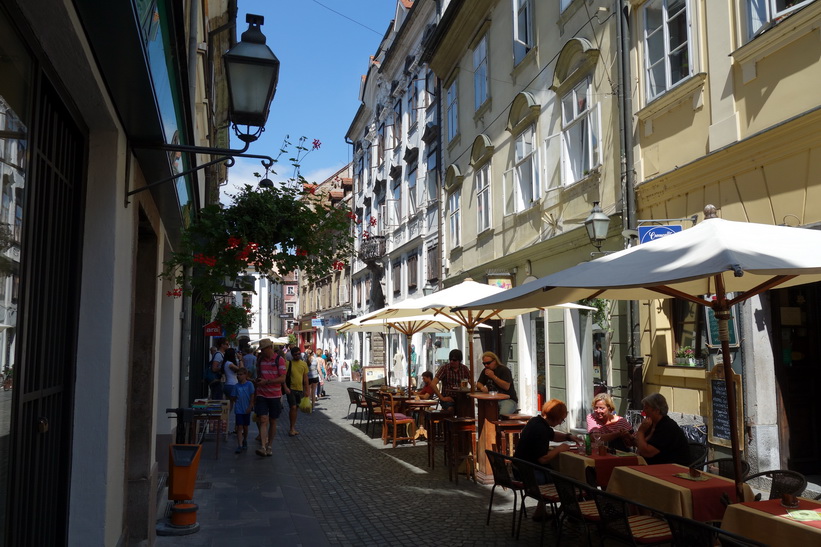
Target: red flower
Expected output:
[351,215]
[339,265]
[366,234]
[175,293]
[234,242]
[373,221]
[301,252]
[316,144]
[203,259]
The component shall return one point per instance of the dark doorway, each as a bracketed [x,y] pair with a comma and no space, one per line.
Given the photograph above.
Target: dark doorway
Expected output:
[47,310]
[797,320]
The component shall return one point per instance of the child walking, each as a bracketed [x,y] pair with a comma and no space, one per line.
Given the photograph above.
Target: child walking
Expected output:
[245,395]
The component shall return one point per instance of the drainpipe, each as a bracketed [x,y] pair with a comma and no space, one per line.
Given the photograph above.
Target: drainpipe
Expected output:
[628,173]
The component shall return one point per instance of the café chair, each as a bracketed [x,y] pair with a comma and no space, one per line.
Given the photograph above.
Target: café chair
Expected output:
[542,493]
[690,532]
[783,482]
[460,446]
[502,476]
[729,539]
[725,467]
[354,396]
[435,429]
[631,522]
[698,454]
[392,421]
[374,411]
[578,505]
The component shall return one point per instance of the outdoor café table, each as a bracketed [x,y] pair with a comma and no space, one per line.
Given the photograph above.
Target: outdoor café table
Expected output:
[657,487]
[488,407]
[413,406]
[574,464]
[771,523]
[507,429]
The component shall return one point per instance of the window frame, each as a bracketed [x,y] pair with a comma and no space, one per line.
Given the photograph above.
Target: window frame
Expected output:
[454,218]
[686,46]
[768,13]
[522,46]
[413,271]
[515,197]
[481,73]
[484,203]
[590,120]
[452,110]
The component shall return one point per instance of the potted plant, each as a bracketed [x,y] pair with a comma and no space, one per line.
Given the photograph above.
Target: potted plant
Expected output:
[279,228]
[685,355]
[356,370]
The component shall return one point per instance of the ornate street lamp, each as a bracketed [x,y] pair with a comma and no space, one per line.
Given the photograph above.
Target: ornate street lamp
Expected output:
[252,74]
[597,225]
[252,71]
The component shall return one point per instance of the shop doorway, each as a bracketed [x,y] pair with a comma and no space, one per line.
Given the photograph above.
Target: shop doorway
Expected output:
[797,347]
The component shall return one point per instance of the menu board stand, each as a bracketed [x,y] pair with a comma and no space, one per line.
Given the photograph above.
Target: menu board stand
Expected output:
[719,429]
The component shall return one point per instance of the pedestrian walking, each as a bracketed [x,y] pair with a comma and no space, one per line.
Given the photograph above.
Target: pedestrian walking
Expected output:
[297,388]
[271,373]
[230,368]
[313,374]
[244,395]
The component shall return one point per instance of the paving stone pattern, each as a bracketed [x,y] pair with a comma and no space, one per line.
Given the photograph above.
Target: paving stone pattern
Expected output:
[336,485]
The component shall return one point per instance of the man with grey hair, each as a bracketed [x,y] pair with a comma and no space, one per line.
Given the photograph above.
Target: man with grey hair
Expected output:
[659,439]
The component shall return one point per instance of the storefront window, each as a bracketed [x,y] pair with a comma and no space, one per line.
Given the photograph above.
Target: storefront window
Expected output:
[15,90]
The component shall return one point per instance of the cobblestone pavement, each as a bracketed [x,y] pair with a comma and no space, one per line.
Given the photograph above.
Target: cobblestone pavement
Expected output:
[336,485]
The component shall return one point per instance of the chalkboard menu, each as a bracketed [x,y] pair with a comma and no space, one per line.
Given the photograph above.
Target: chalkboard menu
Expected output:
[713,339]
[719,430]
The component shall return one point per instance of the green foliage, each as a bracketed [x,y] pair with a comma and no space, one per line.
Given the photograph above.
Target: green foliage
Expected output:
[272,231]
[233,318]
[601,316]
[356,367]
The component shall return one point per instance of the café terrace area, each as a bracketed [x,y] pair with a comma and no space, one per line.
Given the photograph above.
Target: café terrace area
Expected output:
[340,483]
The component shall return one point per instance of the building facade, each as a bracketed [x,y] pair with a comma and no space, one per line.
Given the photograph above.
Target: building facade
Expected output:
[97,349]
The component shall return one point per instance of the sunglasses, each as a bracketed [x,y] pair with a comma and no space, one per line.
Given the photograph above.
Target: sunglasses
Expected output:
[487,362]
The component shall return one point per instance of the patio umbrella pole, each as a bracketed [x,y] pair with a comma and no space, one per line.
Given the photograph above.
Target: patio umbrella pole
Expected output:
[470,352]
[722,313]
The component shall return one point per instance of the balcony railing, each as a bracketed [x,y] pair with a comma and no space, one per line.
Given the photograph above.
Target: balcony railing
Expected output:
[372,249]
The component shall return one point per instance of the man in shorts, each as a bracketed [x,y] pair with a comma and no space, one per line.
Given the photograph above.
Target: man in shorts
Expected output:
[297,387]
[271,373]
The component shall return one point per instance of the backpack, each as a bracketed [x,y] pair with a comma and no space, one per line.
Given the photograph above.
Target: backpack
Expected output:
[211,375]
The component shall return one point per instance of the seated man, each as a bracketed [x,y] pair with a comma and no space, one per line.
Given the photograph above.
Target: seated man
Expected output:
[426,391]
[451,376]
[659,438]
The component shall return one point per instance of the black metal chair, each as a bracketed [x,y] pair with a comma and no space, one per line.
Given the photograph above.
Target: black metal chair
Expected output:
[698,454]
[630,522]
[374,411]
[355,401]
[578,505]
[725,467]
[542,493]
[691,533]
[783,482]
[502,476]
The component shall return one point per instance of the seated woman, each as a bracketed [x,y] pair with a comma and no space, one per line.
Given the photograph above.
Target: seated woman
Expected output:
[659,438]
[612,429]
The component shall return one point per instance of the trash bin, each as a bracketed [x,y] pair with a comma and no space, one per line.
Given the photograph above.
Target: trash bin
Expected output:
[182,470]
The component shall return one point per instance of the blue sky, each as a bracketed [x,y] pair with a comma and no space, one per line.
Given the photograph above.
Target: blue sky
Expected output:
[323,47]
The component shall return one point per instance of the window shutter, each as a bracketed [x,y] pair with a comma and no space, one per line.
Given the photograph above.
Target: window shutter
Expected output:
[509,184]
[554,160]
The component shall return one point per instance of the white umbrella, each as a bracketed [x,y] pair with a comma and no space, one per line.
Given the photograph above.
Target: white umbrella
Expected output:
[444,303]
[714,257]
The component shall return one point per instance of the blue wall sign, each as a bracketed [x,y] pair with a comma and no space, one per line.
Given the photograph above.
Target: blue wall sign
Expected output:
[649,233]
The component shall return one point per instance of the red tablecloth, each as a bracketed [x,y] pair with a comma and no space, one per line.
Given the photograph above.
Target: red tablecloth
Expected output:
[774,507]
[706,494]
[605,465]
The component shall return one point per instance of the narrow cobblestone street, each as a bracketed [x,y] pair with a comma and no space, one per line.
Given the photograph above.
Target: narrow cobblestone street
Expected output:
[335,485]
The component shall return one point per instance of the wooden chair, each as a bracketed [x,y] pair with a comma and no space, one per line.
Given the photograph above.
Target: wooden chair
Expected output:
[542,493]
[502,476]
[578,505]
[460,446]
[630,522]
[725,467]
[435,428]
[374,411]
[392,420]
[783,482]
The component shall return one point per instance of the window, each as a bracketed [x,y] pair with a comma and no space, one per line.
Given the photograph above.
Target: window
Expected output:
[412,197]
[522,181]
[289,290]
[480,73]
[396,206]
[454,213]
[452,112]
[289,308]
[431,181]
[483,197]
[413,271]
[580,133]
[430,89]
[666,45]
[396,278]
[368,290]
[433,263]
[397,124]
[522,29]
[380,144]
[564,4]
[762,13]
